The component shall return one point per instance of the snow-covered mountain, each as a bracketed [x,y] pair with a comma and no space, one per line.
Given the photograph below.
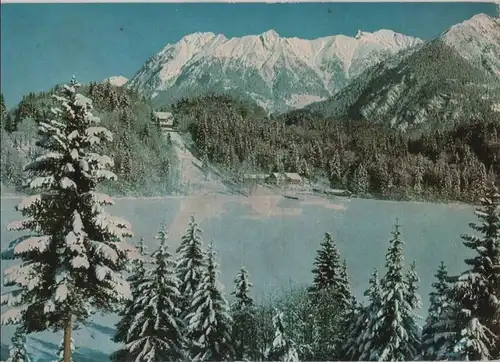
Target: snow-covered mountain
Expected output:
[444,81]
[117,81]
[279,73]
[478,41]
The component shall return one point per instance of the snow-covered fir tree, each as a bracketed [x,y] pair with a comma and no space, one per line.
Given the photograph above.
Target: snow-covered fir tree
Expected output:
[331,301]
[244,335]
[327,320]
[17,350]
[413,298]
[60,351]
[434,334]
[349,309]
[154,333]
[190,263]
[346,298]
[74,254]
[209,322]
[283,348]
[397,336]
[241,291]
[361,180]
[474,313]
[412,281]
[129,310]
[142,251]
[327,265]
[363,331]
[138,266]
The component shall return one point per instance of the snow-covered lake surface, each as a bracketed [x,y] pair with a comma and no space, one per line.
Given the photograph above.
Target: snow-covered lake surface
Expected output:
[276,239]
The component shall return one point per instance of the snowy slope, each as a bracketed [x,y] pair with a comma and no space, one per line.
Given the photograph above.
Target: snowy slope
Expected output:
[277,72]
[478,41]
[194,180]
[117,81]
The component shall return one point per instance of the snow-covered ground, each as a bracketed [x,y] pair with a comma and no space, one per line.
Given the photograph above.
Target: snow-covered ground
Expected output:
[192,177]
[276,239]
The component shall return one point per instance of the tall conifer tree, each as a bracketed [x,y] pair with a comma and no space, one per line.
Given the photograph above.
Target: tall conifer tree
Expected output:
[75,252]
[397,336]
[190,264]
[434,333]
[363,331]
[244,320]
[209,321]
[154,332]
[474,312]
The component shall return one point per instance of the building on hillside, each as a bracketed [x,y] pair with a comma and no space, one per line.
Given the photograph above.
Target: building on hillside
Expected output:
[275,178]
[292,178]
[165,121]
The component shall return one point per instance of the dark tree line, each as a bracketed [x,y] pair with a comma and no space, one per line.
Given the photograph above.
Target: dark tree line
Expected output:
[364,157]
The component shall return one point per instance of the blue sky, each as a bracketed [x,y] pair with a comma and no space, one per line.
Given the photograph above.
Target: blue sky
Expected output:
[45,44]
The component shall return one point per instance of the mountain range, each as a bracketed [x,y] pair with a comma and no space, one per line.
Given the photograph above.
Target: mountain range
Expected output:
[276,72]
[382,76]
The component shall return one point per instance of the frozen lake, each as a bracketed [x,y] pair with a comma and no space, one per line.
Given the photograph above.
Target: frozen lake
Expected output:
[276,239]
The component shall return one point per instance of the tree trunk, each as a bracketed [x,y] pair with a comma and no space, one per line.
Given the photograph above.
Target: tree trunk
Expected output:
[67,341]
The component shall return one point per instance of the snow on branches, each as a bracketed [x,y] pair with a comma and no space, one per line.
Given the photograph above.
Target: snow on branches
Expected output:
[72,260]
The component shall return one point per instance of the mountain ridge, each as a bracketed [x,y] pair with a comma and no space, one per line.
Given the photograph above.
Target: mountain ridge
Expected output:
[278,72]
[444,80]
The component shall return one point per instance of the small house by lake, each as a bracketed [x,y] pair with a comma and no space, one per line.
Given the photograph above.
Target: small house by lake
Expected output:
[293,178]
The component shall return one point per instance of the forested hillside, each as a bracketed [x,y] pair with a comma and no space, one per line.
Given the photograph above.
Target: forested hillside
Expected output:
[430,88]
[144,161]
[365,157]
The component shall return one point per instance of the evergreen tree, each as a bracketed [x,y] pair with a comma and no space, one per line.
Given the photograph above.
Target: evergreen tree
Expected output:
[244,320]
[335,170]
[72,262]
[327,265]
[412,282]
[142,249]
[17,351]
[361,182]
[434,333]
[363,331]
[190,262]
[397,336]
[332,301]
[129,311]
[475,295]
[209,322]
[328,318]
[346,298]
[283,348]
[419,175]
[154,334]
